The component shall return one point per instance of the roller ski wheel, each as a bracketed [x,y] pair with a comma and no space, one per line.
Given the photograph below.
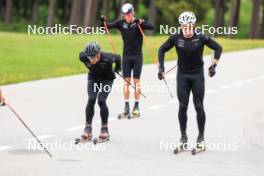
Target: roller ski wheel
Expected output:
[182,145]
[123,116]
[135,114]
[200,146]
[86,136]
[104,136]
[83,139]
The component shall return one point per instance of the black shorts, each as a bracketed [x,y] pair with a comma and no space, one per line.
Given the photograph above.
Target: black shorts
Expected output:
[132,63]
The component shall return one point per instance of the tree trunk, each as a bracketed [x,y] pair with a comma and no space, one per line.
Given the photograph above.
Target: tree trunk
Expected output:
[8,11]
[122,2]
[219,13]
[255,19]
[34,9]
[94,13]
[234,18]
[262,24]
[76,12]
[106,7]
[88,13]
[51,12]
[152,15]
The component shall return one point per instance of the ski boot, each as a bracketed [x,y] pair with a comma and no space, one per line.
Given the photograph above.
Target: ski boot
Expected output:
[200,145]
[126,113]
[103,137]
[86,136]
[135,112]
[182,145]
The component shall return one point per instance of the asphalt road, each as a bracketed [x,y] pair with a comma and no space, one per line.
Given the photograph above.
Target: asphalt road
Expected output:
[54,109]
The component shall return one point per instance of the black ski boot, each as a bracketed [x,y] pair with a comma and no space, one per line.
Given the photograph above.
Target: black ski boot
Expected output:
[136,112]
[86,136]
[103,137]
[126,113]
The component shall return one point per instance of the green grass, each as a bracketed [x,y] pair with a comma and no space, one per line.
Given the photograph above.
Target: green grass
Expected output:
[32,57]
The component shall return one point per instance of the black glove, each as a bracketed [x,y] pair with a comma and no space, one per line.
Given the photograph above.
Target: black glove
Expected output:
[83,57]
[117,69]
[103,18]
[212,70]
[161,74]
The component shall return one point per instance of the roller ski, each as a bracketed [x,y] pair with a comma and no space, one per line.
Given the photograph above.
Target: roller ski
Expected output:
[135,112]
[86,136]
[103,137]
[200,146]
[182,145]
[126,113]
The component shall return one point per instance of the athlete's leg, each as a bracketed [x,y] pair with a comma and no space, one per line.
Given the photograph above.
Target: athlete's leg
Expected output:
[127,68]
[183,93]
[198,90]
[102,97]
[137,69]
[92,95]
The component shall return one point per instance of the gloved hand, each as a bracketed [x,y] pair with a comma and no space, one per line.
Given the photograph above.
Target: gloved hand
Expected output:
[211,70]
[83,57]
[161,74]
[103,18]
[117,69]
[139,21]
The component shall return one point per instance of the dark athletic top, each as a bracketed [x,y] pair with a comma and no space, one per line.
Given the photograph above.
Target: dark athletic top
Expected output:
[103,69]
[189,50]
[131,35]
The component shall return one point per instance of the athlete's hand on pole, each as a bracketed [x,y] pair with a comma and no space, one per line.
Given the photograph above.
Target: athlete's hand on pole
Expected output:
[103,18]
[139,21]
[2,102]
[161,75]
[211,70]
[117,69]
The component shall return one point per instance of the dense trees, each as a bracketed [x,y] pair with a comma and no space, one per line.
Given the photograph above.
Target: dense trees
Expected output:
[86,12]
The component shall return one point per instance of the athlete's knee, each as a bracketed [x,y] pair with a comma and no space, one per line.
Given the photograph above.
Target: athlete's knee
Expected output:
[91,100]
[199,107]
[102,102]
[183,107]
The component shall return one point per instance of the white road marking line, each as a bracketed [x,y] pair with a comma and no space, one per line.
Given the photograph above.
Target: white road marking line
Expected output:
[211,91]
[155,107]
[249,80]
[42,137]
[225,87]
[237,83]
[260,77]
[2,148]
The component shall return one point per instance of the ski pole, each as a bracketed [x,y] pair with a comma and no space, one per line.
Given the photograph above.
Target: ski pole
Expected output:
[109,37]
[31,132]
[131,84]
[153,56]
[171,69]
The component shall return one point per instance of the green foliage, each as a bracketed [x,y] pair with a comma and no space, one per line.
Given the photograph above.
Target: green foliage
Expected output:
[171,9]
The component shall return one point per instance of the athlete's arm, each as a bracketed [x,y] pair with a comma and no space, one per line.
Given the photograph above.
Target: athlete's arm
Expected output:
[114,24]
[163,49]
[83,58]
[117,61]
[215,46]
[145,25]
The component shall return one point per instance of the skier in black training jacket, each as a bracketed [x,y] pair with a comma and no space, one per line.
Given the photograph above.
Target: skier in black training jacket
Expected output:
[189,44]
[100,80]
[132,52]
